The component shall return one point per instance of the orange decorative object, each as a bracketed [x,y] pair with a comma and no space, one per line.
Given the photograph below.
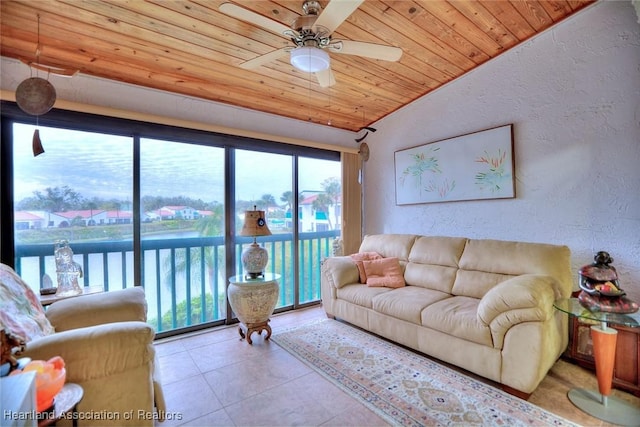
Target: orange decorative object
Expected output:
[604,350]
[50,378]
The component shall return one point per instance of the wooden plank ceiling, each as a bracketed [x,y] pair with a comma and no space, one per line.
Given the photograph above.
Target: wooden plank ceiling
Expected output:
[189,47]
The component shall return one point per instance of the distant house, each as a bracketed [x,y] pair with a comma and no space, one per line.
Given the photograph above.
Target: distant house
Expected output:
[28,220]
[312,220]
[175,212]
[87,217]
[119,217]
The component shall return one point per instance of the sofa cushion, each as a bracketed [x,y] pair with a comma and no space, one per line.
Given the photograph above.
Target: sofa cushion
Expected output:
[384,272]
[360,294]
[458,316]
[389,245]
[476,284]
[407,303]
[359,258]
[517,258]
[436,277]
[21,313]
[437,250]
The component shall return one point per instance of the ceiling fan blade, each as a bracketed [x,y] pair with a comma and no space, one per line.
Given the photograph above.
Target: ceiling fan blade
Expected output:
[335,13]
[251,17]
[325,78]
[369,50]
[264,59]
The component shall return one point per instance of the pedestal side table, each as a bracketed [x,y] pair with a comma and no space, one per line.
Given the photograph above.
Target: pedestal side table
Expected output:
[253,301]
[599,403]
[66,401]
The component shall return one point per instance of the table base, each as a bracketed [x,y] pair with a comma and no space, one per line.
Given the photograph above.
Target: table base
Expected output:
[245,331]
[616,411]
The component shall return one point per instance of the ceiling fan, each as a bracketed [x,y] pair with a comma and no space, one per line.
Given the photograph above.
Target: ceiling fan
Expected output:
[311,35]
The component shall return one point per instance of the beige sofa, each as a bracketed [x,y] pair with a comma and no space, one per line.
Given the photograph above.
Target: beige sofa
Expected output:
[483,305]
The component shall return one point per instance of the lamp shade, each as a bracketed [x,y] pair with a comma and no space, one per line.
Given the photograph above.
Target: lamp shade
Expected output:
[255,224]
[309,59]
[254,257]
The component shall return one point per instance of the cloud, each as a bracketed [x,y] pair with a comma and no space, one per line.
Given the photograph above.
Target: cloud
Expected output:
[101,165]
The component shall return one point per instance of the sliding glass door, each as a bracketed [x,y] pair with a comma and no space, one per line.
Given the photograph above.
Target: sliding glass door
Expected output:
[319,219]
[264,181]
[182,232]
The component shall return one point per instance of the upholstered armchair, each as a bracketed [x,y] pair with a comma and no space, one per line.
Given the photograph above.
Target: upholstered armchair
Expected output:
[105,342]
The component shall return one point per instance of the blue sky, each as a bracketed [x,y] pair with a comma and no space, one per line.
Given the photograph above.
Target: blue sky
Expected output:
[101,165]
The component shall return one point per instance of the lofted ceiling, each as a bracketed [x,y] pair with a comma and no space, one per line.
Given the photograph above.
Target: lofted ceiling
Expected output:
[189,47]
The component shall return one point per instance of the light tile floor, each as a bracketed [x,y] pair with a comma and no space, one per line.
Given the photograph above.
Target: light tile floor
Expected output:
[212,378]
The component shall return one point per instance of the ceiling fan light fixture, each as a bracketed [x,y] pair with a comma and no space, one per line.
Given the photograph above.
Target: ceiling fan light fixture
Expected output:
[309,59]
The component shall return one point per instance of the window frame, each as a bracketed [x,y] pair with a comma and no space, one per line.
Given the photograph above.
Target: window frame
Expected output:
[10,113]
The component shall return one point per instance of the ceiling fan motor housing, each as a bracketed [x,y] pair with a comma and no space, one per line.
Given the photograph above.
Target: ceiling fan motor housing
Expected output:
[311,7]
[305,33]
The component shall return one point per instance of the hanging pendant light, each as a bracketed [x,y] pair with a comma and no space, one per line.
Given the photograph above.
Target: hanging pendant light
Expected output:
[36,96]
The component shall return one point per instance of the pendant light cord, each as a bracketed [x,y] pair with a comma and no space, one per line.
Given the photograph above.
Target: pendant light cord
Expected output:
[37,48]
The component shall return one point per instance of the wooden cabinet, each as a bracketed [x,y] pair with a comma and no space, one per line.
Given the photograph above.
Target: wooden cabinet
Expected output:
[626,373]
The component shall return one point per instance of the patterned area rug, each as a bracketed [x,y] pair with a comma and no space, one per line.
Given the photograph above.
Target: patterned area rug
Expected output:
[402,387]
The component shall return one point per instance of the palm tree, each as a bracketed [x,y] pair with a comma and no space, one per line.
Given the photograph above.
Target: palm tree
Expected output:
[266,201]
[58,199]
[322,204]
[92,205]
[287,199]
[333,190]
[209,225]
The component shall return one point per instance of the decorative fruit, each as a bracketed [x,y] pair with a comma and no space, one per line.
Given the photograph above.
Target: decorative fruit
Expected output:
[608,289]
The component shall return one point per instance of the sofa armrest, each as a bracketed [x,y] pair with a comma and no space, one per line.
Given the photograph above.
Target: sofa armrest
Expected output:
[89,310]
[97,351]
[340,271]
[528,297]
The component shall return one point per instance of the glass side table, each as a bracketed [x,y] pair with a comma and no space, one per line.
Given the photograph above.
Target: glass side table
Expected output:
[599,403]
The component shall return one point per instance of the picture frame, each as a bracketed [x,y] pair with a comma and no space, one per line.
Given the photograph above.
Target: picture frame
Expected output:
[474,166]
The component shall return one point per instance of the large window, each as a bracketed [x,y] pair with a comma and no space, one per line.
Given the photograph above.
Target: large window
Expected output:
[159,207]
[79,190]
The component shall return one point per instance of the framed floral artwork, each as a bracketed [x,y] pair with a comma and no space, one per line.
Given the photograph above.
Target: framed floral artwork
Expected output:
[474,166]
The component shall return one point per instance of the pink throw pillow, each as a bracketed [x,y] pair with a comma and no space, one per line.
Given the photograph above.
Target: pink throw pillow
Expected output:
[364,256]
[384,272]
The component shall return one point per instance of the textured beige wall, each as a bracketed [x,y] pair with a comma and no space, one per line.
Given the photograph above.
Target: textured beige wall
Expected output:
[573,95]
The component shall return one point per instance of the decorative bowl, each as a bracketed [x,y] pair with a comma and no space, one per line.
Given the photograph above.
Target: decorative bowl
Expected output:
[607,289]
[50,378]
